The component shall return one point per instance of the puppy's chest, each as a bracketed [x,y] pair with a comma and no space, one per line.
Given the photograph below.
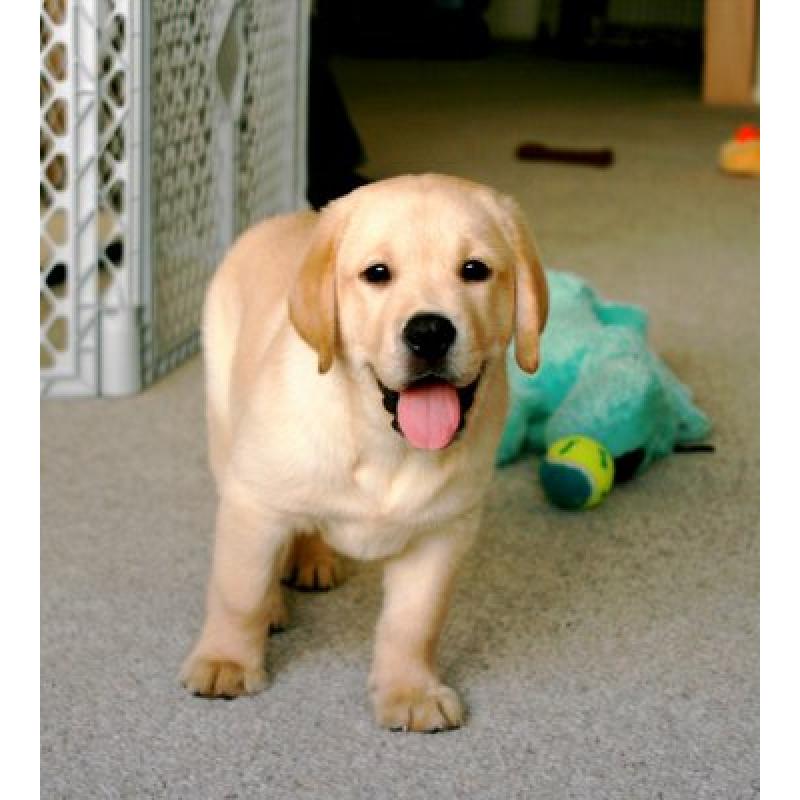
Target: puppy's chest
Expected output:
[383,507]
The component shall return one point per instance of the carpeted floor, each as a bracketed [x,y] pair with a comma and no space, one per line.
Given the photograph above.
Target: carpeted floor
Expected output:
[612,654]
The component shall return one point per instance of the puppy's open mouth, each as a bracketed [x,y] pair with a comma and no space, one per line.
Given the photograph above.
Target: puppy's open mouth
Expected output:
[430,412]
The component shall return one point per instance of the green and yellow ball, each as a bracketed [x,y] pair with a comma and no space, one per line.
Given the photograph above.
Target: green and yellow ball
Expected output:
[576,473]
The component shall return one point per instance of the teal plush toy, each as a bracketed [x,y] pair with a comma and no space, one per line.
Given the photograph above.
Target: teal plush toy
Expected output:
[598,378]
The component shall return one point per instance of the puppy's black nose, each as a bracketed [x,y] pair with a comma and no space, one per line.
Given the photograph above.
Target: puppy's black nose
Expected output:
[429,336]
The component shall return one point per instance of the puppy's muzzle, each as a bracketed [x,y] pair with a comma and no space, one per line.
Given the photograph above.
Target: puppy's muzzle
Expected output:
[429,336]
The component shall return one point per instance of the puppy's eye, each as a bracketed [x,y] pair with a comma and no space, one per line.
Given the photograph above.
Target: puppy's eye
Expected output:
[474,271]
[377,273]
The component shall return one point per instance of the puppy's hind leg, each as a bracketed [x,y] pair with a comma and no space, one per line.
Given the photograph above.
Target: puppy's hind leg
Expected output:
[311,564]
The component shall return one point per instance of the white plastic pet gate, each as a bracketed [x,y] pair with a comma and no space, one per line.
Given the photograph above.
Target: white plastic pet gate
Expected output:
[166,128]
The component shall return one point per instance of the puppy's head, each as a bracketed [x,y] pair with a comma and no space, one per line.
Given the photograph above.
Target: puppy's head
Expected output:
[422,281]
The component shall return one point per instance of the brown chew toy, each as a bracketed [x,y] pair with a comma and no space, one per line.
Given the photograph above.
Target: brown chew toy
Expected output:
[534,151]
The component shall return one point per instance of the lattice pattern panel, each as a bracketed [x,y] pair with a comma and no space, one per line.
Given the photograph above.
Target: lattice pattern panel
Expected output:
[186,245]
[117,168]
[55,164]
[68,321]
[274,83]
[166,127]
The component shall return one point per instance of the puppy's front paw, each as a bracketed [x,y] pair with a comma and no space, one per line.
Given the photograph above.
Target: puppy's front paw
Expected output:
[418,708]
[210,677]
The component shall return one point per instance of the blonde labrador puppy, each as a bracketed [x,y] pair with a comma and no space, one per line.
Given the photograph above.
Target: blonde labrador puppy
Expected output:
[356,393]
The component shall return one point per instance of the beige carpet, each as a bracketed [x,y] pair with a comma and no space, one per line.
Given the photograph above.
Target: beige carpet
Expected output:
[612,654]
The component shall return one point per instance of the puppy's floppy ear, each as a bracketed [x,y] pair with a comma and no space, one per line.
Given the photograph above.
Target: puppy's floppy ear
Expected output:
[531,300]
[312,300]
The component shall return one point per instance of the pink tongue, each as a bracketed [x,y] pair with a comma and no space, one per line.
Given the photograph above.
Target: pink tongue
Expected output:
[429,415]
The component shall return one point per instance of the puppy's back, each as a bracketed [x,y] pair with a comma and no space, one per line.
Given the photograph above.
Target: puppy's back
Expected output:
[260,269]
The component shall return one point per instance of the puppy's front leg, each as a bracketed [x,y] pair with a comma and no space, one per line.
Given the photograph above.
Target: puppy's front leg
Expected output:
[244,599]
[406,691]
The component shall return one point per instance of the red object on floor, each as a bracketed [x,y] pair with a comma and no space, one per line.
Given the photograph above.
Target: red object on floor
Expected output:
[747,133]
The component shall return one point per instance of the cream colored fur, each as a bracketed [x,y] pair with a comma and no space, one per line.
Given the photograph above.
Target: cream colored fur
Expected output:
[305,459]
